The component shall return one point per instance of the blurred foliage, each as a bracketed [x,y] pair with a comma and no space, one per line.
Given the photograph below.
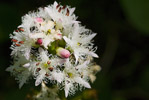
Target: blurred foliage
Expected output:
[122,46]
[85,95]
[137,13]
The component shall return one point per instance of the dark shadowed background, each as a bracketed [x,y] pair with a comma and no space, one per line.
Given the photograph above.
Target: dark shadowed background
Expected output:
[122,40]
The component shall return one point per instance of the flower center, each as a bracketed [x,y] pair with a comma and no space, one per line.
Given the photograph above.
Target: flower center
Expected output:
[70,75]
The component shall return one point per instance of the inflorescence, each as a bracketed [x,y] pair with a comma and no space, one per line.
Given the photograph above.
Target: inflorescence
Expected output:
[51,46]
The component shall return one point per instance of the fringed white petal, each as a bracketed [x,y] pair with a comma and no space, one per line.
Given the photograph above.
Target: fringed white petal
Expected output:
[67,88]
[39,79]
[58,76]
[84,65]
[26,65]
[43,54]
[82,82]
[93,54]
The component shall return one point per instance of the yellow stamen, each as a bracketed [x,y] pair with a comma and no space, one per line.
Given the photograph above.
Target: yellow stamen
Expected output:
[46,65]
[70,74]
[48,32]
[78,44]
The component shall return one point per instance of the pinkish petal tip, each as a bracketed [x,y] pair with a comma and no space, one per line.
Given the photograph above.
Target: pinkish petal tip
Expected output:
[39,20]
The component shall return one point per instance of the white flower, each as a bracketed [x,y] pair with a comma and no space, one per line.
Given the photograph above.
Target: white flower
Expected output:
[21,43]
[80,42]
[73,77]
[52,47]
[61,15]
[22,74]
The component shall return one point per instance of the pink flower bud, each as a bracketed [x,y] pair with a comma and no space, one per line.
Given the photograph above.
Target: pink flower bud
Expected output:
[39,20]
[63,52]
[39,41]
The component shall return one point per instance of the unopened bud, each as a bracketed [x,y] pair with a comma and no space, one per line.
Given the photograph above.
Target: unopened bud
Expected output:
[39,41]
[96,68]
[63,52]
[92,78]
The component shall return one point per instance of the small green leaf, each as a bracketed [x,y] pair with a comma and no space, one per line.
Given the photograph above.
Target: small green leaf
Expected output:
[61,43]
[52,48]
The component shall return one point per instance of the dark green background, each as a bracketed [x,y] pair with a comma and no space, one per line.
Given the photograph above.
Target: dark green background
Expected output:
[122,40]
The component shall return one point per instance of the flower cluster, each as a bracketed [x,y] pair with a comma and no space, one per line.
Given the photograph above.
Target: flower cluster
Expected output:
[52,47]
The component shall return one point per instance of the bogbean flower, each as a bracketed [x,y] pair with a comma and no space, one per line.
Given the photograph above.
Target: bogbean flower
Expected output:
[52,47]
